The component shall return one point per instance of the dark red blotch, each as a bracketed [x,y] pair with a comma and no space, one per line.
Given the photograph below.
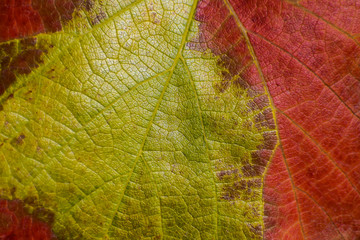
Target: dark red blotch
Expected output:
[18,58]
[23,18]
[17,224]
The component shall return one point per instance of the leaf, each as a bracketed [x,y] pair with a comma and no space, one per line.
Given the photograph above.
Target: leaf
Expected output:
[161,119]
[121,129]
[307,55]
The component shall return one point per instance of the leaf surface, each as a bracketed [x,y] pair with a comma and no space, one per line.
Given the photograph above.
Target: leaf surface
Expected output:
[308,57]
[150,119]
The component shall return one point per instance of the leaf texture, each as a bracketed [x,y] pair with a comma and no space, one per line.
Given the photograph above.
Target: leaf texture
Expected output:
[155,119]
[309,59]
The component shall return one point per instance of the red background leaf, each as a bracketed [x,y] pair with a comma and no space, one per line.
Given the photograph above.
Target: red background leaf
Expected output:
[309,58]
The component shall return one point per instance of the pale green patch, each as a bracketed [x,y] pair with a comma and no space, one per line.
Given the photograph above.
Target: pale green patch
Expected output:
[122,134]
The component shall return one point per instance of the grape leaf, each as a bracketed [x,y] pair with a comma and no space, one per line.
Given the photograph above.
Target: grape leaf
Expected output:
[216,119]
[307,54]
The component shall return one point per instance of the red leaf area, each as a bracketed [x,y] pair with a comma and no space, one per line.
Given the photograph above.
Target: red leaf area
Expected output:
[16,224]
[23,18]
[308,56]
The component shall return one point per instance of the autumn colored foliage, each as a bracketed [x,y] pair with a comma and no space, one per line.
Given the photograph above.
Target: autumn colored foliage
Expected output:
[290,67]
[309,58]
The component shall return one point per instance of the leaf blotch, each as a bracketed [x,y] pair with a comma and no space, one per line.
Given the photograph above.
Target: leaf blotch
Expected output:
[16,222]
[19,139]
[25,18]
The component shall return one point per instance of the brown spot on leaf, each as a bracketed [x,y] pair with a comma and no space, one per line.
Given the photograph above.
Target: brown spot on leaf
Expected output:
[225,173]
[10,96]
[19,58]
[98,18]
[270,140]
[255,228]
[251,170]
[234,191]
[88,4]
[31,200]
[19,140]
[261,157]
[241,189]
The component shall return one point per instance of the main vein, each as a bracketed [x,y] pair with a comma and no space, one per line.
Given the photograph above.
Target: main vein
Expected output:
[172,69]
